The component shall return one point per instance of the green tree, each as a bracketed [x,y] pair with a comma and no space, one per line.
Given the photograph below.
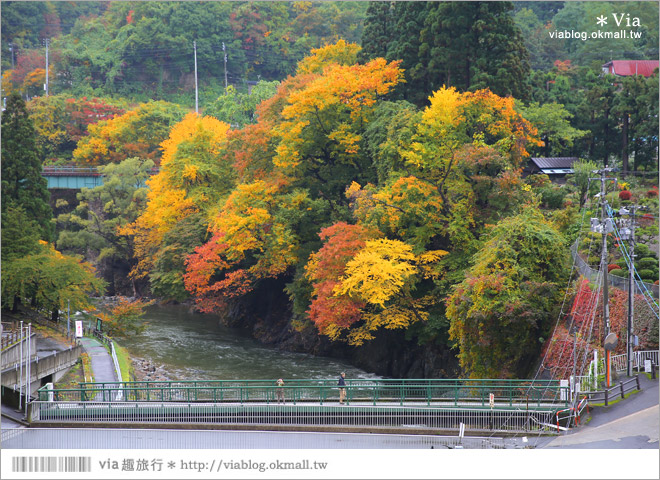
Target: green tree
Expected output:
[47,280]
[555,130]
[505,303]
[468,45]
[543,50]
[91,229]
[637,107]
[20,234]
[239,109]
[22,183]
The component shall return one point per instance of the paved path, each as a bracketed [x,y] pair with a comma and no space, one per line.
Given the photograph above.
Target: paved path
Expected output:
[102,364]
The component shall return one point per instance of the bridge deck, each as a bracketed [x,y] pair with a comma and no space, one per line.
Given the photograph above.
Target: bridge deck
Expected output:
[358,415]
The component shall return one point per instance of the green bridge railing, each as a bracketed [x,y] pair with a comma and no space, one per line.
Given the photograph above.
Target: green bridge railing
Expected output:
[449,392]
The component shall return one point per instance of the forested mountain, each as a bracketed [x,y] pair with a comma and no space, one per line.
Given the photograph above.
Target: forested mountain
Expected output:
[357,182]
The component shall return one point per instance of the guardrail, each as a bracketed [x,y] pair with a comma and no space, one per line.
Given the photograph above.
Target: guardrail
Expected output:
[70,171]
[74,171]
[474,393]
[620,362]
[315,417]
[617,391]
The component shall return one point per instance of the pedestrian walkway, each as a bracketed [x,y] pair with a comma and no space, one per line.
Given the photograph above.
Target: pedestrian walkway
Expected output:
[103,367]
[633,422]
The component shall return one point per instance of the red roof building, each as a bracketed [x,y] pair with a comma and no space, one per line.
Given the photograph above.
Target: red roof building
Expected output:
[629,68]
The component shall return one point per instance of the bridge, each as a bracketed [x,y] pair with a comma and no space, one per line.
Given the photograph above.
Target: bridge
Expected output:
[75,177]
[425,405]
[43,365]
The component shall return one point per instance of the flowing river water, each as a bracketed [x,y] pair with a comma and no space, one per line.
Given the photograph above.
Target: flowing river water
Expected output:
[187,346]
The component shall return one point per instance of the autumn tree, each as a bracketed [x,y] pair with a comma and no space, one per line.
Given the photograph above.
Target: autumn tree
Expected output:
[136,133]
[193,177]
[123,318]
[330,313]
[503,306]
[319,139]
[406,208]
[362,283]
[253,239]
[60,122]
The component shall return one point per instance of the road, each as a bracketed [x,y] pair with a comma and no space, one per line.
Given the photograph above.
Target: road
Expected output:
[631,423]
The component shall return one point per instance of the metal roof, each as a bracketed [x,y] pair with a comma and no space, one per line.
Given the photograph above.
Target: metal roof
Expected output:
[554,162]
[626,68]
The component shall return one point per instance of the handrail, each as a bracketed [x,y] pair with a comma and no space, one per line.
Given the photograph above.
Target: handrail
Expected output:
[613,392]
[73,170]
[371,392]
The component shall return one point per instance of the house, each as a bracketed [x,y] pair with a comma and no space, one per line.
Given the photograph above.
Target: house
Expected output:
[555,167]
[629,68]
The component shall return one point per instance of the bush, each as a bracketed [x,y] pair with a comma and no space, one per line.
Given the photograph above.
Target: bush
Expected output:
[648,275]
[652,193]
[613,266]
[552,197]
[647,263]
[642,250]
[622,263]
[619,272]
[625,195]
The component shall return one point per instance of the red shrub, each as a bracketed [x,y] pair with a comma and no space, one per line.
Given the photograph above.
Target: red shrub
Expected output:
[612,266]
[625,195]
[652,193]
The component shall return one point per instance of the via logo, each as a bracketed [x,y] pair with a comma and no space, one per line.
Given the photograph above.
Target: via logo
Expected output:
[621,19]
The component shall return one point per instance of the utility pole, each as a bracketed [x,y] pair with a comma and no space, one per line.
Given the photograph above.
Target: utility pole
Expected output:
[629,235]
[605,226]
[47,41]
[196,92]
[225,55]
[631,291]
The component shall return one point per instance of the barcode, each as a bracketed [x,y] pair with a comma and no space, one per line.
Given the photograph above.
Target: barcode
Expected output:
[51,464]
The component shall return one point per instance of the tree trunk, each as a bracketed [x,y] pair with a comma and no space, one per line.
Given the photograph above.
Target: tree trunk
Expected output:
[55,315]
[624,144]
[15,304]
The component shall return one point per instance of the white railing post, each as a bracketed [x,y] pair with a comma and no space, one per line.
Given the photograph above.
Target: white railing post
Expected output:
[117,370]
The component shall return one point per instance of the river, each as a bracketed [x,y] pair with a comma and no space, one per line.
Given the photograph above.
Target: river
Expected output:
[187,346]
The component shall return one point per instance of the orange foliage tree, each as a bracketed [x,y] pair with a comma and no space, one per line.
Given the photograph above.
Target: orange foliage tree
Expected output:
[252,240]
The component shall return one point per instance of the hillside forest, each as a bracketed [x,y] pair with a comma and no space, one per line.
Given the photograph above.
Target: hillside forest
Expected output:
[339,178]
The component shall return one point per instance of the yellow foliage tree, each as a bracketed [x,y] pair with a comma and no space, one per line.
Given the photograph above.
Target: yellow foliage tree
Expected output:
[192,178]
[383,276]
[326,115]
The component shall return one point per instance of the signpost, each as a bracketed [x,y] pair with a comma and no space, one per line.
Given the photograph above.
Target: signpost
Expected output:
[79,328]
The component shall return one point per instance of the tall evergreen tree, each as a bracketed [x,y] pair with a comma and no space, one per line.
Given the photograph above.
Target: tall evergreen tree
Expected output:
[379,26]
[475,45]
[468,45]
[22,183]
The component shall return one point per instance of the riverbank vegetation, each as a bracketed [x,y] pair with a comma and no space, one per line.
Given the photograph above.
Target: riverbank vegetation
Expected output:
[371,187]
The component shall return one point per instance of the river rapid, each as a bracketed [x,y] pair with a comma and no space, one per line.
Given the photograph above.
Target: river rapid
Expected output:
[180,345]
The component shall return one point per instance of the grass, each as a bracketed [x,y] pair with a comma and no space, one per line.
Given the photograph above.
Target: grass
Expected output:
[73,377]
[125,364]
[88,373]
